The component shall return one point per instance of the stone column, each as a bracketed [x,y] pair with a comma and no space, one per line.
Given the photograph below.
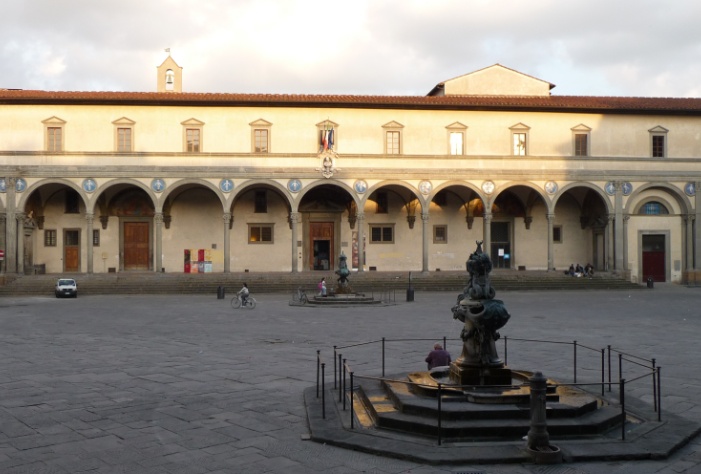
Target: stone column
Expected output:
[158,223]
[3,244]
[551,249]
[689,220]
[227,242]
[19,222]
[360,220]
[424,253]
[10,228]
[89,221]
[618,227]
[626,218]
[697,226]
[609,243]
[487,233]
[294,219]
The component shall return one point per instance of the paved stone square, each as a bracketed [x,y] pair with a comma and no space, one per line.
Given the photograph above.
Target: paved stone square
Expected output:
[186,384]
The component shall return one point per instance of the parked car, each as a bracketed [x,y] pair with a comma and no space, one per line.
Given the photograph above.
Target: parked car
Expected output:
[66,287]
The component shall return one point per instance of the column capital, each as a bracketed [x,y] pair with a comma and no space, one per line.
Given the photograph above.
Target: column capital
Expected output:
[89,216]
[550,216]
[226,217]
[158,218]
[360,216]
[425,216]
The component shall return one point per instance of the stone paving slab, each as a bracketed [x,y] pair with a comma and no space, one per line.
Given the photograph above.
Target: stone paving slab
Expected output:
[184,384]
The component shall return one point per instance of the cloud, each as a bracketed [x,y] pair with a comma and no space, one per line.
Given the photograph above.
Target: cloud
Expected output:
[353,47]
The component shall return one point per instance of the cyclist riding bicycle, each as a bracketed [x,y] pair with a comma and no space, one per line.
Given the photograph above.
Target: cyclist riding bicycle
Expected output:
[243,292]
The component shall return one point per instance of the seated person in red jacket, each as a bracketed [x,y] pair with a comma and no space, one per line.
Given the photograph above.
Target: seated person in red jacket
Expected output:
[438,357]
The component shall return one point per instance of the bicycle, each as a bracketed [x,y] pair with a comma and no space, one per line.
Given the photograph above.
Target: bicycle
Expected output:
[250,302]
[301,296]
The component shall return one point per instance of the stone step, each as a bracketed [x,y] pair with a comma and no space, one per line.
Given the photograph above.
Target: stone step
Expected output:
[370,283]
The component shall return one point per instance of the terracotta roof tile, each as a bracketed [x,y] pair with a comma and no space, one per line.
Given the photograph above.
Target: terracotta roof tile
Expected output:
[553,103]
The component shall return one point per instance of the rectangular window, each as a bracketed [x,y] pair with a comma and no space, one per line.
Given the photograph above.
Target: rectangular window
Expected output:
[260,204]
[260,137]
[381,202]
[557,234]
[96,237]
[519,144]
[382,233]
[456,143]
[54,139]
[192,137]
[124,140]
[580,144]
[72,202]
[260,233]
[50,238]
[440,234]
[658,146]
[393,143]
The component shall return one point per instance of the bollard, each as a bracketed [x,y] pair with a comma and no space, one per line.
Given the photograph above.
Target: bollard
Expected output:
[538,443]
[410,290]
[220,292]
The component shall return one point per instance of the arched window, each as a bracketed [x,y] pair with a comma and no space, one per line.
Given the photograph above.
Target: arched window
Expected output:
[170,79]
[653,208]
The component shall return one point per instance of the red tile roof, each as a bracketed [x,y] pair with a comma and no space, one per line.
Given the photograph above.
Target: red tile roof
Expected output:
[553,103]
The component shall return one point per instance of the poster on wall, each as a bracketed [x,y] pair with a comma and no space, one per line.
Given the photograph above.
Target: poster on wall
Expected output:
[198,261]
[354,256]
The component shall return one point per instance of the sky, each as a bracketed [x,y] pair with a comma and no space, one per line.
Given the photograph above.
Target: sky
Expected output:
[362,47]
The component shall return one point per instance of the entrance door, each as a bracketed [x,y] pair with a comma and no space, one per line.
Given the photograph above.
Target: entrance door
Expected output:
[136,245]
[501,245]
[321,241]
[654,258]
[71,250]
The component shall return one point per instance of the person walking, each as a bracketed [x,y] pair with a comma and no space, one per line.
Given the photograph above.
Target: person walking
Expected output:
[322,287]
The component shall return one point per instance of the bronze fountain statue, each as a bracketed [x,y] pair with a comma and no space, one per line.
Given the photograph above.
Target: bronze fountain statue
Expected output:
[483,316]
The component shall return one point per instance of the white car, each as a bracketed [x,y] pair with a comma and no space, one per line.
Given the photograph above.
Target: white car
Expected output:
[66,287]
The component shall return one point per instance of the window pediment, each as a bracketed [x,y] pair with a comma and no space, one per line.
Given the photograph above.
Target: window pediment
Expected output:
[581,128]
[192,122]
[658,129]
[53,121]
[123,121]
[519,127]
[260,123]
[327,123]
[393,124]
[456,126]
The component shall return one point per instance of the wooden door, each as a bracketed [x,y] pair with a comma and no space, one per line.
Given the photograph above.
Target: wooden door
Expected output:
[136,245]
[654,266]
[321,251]
[71,250]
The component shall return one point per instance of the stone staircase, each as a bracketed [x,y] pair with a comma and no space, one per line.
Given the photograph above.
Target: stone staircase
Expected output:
[391,284]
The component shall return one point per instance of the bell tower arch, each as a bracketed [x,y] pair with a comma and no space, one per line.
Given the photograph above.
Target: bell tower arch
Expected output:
[170,76]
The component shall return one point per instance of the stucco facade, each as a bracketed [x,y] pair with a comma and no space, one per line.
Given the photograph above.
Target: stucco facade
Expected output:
[174,181]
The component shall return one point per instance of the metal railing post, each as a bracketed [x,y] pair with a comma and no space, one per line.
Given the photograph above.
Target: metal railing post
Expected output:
[654,385]
[439,413]
[603,370]
[620,366]
[659,395]
[609,358]
[622,398]
[340,376]
[334,367]
[383,356]
[575,361]
[343,392]
[323,392]
[506,352]
[351,400]
[318,362]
